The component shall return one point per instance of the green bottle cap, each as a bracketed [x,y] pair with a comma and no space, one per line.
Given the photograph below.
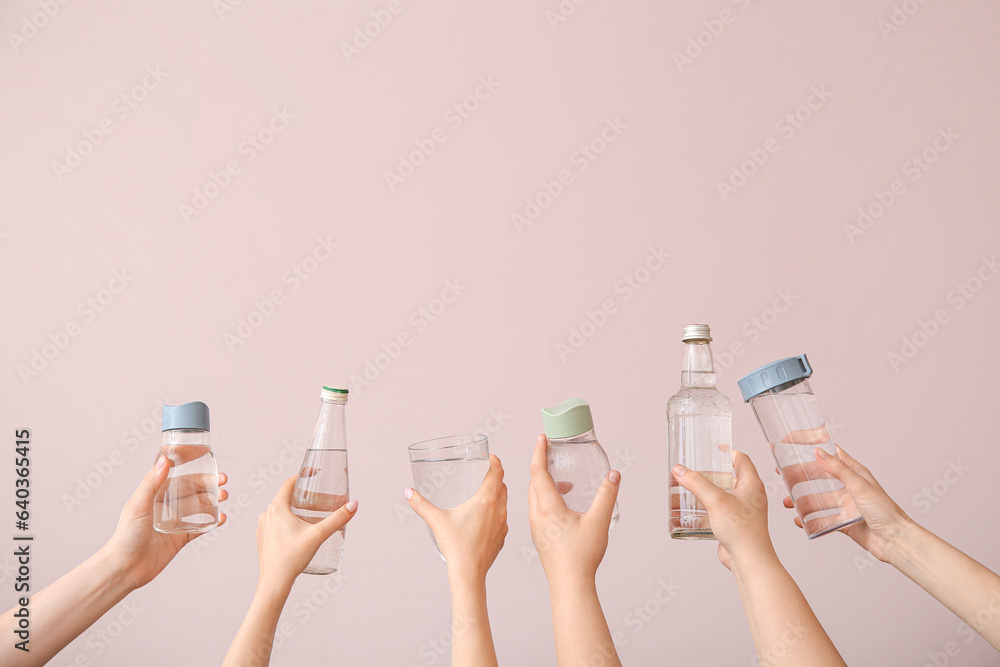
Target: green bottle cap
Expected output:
[334,394]
[569,418]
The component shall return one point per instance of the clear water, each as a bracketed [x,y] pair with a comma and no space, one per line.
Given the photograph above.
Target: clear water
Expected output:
[447,483]
[578,469]
[700,435]
[188,502]
[320,490]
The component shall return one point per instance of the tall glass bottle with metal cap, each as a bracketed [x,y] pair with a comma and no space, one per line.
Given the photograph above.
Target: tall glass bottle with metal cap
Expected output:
[188,500]
[577,462]
[699,434]
[322,487]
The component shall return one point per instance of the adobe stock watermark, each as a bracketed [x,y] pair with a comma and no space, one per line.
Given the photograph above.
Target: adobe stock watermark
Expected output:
[292,279]
[891,23]
[32,24]
[224,8]
[102,469]
[121,108]
[419,321]
[306,606]
[87,311]
[913,169]
[787,126]
[773,654]
[246,152]
[582,158]
[624,289]
[99,640]
[562,12]
[454,117]
[956,299]
[753,328]
[711,31]
[367,32]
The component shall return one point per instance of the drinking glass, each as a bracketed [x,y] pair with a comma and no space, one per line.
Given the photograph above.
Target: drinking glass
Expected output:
[449,471]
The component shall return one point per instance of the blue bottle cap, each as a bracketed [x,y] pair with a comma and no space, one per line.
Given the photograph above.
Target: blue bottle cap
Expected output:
[773,375]
[188,416]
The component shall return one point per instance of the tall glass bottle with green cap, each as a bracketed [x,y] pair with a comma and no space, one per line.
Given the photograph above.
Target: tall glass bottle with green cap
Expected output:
[322,487]
[577,462]
[699,434]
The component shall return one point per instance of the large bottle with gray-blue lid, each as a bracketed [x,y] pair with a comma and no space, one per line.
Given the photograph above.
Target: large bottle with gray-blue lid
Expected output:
[786,408]
[577,462]
[188,500]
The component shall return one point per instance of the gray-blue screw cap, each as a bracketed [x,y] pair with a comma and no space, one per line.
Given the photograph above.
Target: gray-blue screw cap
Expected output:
[773,375]
[188,416]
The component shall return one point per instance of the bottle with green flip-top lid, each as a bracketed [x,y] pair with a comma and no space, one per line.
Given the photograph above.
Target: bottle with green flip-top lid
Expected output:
[577,462]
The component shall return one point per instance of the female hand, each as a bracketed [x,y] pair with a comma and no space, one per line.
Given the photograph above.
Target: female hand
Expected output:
[139,552]
[471,535]
[286,543]
[884,521]
[569,543]
[738,519]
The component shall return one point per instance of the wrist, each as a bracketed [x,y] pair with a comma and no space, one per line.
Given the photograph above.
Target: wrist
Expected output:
[111,569]
[754,559]
[466,576]
[902,543]
[274,586]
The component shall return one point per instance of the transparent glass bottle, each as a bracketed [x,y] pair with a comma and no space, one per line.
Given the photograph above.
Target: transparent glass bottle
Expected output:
[188,500]
[699,435]
[577,462]
[322,487]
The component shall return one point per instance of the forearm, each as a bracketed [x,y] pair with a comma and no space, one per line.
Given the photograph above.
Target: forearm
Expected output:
[962,584]
[61,611]
[472,640]
[253,642]
[581,631]
[785,630]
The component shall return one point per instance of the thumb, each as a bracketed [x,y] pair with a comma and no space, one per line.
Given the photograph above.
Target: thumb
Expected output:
[836,467]
[152,481]
[331,524]
[424,508]
[603,505]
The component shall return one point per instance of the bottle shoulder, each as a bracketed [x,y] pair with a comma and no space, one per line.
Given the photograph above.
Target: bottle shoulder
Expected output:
[699,400]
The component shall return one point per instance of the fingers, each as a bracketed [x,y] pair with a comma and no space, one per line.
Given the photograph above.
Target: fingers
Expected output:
[709,494]
[331,524]
[283,498]
[152,481]
[223,495]
[603,505]
[424,508]
[746,471]
[838,468]
[223,478]
[801,472]
[494,477]
[857,467]
[546,493]
[810,436]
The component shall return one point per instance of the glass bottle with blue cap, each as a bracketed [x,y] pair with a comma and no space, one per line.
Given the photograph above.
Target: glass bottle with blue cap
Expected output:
[188,500]
[577,462]
[786,408]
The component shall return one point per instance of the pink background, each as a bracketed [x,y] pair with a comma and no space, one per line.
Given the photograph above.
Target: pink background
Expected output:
[886,91]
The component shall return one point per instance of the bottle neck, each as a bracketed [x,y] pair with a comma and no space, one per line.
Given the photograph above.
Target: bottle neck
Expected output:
[583,438]
[331,426]
[696,368]
[186,436]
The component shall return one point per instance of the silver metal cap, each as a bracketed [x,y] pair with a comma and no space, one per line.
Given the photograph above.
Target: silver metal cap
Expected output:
[696,332]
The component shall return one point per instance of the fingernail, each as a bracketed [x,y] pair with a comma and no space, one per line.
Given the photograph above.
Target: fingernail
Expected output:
[408,492]
[614,477]
[352,506]
[160,461]
[679,470]
[820,454]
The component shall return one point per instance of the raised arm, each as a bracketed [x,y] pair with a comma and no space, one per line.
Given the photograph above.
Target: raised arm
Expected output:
[570,547]
[469,536]
[133,556]
[285,545]
[785,630]
[962,584]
